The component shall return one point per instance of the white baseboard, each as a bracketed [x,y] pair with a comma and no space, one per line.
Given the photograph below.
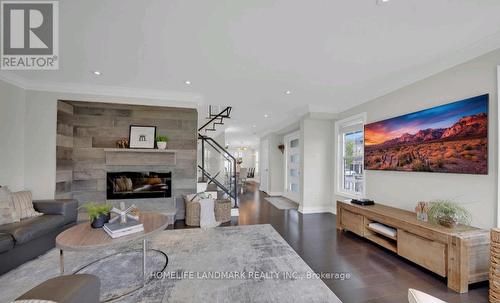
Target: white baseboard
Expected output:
[315,209]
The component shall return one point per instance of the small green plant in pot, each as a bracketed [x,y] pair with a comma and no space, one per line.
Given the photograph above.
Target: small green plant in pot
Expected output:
[448,213]
[161,142]
[99,214]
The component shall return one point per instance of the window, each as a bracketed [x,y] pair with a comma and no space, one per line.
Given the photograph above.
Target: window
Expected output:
[352,160]
[349,157]
[294,143]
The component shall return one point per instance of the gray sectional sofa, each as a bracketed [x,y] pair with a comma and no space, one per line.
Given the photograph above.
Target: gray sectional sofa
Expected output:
[29,238]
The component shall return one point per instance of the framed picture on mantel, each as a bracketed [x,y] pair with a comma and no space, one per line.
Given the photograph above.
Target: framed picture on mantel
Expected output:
[141,136]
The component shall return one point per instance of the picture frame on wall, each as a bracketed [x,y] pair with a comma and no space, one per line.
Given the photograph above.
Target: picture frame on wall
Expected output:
[449,138]
[142,136]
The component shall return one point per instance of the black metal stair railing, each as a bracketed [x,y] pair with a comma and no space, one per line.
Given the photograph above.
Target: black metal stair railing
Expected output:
[226,183]
[229,187]
[216,119]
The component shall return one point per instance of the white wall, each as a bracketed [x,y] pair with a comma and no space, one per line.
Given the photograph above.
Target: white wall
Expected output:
[276,164]
[12,108]
[478,193]
[40,144]
[316,162]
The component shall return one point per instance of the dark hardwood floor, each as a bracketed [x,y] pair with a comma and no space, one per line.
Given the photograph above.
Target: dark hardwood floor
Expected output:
[377,275]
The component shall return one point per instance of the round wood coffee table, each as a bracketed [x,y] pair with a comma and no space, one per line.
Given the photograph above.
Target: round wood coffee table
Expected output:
[82,237]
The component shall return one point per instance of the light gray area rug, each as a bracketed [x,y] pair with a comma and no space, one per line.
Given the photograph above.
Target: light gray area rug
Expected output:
[282,202]
[224,264]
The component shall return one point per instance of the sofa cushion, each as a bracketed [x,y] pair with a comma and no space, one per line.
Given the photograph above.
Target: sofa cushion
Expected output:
[66,207]
[6,242]
[28,229]
[23,203]
[8,213]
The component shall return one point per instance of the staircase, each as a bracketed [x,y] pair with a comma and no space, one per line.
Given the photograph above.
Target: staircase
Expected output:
[218,166]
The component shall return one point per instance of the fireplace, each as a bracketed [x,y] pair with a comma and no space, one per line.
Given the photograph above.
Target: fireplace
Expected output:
[134,185]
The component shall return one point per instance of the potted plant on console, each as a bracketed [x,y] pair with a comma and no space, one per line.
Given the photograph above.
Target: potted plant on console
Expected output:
[448,213]
[99,214]
[161,142]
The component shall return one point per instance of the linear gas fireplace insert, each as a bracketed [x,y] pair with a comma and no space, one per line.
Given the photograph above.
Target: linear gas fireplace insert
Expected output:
[134,185]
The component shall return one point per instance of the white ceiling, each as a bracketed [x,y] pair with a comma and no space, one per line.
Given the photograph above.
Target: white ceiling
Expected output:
[331,54]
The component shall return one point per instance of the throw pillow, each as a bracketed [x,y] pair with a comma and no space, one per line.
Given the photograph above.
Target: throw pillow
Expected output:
[23,203]
[8,213]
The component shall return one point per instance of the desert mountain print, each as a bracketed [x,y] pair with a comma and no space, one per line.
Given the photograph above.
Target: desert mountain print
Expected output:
[451,138]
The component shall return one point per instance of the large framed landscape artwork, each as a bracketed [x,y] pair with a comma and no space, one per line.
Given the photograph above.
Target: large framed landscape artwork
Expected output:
[451,138]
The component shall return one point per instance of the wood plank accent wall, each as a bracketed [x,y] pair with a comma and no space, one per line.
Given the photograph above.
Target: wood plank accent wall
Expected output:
[97,126]
[64,151]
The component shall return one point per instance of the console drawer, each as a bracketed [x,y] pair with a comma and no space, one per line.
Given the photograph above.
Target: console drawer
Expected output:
[424,252]
[352,222]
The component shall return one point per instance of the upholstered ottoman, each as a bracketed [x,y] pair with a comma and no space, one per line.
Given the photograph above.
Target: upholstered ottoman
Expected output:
[222,210]
[80,288]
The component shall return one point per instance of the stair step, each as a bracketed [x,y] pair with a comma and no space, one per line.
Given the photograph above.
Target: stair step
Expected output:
[212,187]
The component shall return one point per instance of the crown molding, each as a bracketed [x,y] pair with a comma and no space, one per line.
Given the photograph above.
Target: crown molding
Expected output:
[416,73]
[13,79]
[117,91]
[399,80]
[101,90]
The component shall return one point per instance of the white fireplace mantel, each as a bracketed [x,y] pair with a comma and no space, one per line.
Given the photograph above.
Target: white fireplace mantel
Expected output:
[140,150]
[135,156]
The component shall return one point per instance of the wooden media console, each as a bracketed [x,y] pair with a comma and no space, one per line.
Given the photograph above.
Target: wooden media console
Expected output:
[460,254]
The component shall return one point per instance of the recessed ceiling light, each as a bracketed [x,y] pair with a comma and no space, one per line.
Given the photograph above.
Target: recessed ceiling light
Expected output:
[187,82]
[266,115]
[254,126]
[97,73]
[381,2]
[287,92]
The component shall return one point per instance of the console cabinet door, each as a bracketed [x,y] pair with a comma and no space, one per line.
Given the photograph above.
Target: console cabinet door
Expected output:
[424,252]
[352,222]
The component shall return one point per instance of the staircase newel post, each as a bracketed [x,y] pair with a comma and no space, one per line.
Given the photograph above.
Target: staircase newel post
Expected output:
[202,157]
[235,185]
